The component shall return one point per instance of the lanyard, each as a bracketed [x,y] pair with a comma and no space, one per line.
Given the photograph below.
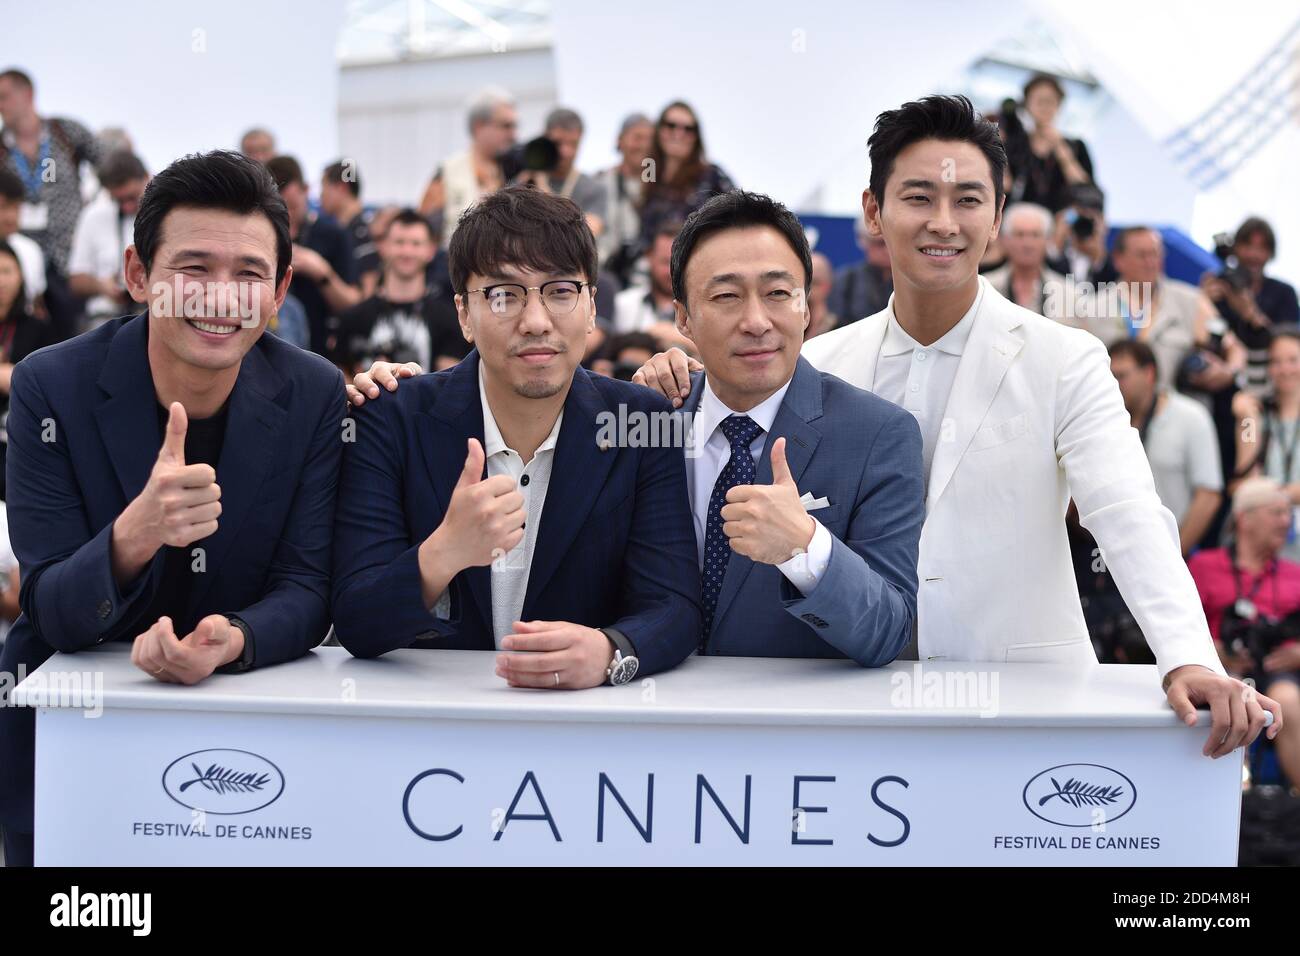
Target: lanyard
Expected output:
[31,175]
[1269,572]
[1288,448]
[1135,330]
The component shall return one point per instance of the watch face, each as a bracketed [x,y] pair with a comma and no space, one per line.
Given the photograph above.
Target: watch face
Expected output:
[624,670]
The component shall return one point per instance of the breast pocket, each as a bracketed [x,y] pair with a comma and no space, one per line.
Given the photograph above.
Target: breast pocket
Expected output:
[1000,433]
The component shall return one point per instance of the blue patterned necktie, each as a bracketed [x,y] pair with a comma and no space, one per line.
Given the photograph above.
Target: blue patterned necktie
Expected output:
[741,430]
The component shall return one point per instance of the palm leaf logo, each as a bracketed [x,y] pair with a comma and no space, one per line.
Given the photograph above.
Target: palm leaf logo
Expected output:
[1077,793]
[219,779]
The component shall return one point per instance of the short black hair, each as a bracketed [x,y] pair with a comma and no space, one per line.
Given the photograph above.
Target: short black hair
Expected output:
[1122,236]
[1139,352]
[1256,226]
[334,173]
[522,226]
[941,117]
[11,187]
[737,209]
[222,179]
[19,77]
[120,168]
[409,217]
[285,170]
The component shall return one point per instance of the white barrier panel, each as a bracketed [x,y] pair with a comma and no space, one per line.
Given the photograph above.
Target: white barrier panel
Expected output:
[425,757]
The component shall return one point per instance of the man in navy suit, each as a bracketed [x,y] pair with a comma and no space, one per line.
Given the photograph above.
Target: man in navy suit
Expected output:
[827,573]
[480,509]
[172,475]
[830,572]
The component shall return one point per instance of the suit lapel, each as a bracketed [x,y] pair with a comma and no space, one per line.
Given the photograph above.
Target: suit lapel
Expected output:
[454,420]
[128,419]
[801,405]
[255,425]
[988,354]
[579,465]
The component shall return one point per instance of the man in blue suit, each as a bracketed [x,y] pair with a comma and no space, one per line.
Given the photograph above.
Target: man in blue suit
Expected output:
[827,573]
[172,475]
[478,510]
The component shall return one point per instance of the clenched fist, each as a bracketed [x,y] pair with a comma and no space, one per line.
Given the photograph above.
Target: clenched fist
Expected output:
[179,505]
[159,653]
[484,520]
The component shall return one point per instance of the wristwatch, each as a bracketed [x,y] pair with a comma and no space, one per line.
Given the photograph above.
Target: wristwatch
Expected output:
[623,667]
[245,660]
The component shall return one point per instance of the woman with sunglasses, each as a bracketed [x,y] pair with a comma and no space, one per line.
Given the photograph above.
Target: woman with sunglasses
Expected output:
[682,179]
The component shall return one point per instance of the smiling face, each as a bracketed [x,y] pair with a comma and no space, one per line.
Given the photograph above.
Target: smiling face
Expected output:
[678,133]
[1284,365]
[407,249]
[938,214]
[746,312]
[211,286]
[535,353]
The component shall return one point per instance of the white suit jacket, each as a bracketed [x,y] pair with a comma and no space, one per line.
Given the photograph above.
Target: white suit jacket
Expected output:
[1034,417]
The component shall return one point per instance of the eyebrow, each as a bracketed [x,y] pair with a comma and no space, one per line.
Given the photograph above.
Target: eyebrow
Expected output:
[974,185]
[204,255]
[737,277]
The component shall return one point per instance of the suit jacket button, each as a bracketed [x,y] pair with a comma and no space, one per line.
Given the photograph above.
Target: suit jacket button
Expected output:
[809,617]
[105,609]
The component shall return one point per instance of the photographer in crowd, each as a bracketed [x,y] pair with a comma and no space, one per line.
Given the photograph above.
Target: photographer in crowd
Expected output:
[1252,303]
[1251,597]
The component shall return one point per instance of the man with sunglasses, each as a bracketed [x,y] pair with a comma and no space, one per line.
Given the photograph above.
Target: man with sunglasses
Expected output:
[480,509]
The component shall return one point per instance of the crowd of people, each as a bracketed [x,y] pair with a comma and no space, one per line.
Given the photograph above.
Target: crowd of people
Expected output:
[1209,373]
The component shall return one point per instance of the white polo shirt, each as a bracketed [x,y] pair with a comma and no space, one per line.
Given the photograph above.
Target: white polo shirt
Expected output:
[510,571]
[919,377]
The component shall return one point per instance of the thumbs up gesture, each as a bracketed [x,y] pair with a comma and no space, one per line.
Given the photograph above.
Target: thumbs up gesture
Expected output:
[484,521]
[180,503]
[768,523]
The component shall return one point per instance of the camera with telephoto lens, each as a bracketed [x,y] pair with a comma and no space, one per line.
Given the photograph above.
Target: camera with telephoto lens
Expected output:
[1245,630]
[1232,273]
[538,155]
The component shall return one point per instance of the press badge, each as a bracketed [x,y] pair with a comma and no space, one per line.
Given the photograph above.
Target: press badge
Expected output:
[34,217]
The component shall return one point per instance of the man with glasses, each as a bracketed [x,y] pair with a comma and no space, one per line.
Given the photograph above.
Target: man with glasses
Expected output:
[484,507]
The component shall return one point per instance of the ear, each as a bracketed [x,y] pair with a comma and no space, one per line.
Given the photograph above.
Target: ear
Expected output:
[682,320]
[462,316]
[137,278]
[871,214]
[997,219]
[282,288]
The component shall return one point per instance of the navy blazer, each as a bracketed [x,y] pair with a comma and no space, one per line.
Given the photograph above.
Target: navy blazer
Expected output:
[863,454]
[268,562]
[615,547]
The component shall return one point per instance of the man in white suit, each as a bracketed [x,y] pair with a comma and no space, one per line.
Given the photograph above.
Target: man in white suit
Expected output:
[1018,413]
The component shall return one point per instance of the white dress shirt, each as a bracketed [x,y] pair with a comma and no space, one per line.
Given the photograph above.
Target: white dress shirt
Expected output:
[510,571]
[803,570]
[919,377]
